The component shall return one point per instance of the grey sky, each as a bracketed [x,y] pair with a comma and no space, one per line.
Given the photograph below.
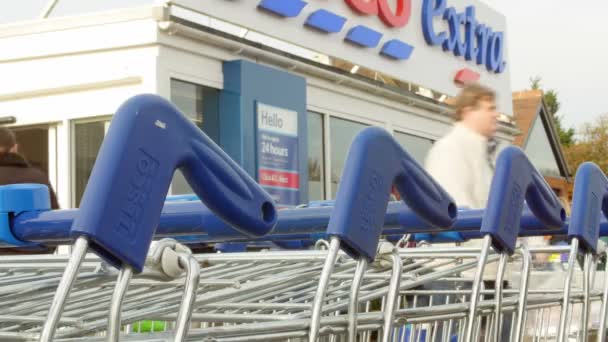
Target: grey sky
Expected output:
[566,43]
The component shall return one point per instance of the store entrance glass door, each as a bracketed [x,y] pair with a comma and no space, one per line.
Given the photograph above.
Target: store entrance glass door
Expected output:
[38,145]
[34,145]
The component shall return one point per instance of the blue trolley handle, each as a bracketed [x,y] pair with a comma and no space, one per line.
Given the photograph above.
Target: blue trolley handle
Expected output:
[374,163]
[515,181]
[589,203]
[147,141]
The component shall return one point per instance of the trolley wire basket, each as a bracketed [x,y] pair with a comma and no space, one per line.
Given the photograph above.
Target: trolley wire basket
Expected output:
[354,285]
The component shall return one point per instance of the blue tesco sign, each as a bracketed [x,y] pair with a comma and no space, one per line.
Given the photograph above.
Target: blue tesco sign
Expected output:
[479,43]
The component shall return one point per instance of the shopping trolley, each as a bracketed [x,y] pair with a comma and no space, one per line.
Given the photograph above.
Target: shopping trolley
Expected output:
[542,310]
[353,285]
[101,207]
[590,300]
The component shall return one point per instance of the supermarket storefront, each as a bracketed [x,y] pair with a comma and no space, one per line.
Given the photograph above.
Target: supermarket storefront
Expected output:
[283,86]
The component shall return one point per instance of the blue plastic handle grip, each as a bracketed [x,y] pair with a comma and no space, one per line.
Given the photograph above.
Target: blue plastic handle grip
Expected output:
[295,244]
[590,199]
[374,163]
[18,198]
[440,237]
[147,141]
[193,220]
[517,180]
[231,247]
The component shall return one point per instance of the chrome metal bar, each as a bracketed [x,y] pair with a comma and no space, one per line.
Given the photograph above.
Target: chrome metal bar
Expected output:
[63,290]
[563,321]
[353,301]
[589,265]
[601,336]
[520,324]
[332,254]
[120,290]
[483,256]
[185,312]
[392,298]
[498,297]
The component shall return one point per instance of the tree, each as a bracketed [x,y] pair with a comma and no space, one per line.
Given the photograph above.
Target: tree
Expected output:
[535,83]
[566,136]
[592,145]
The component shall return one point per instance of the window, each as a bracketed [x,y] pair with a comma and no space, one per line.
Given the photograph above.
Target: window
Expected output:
[539,150]
[201,105]
[34,146]
[88,137]
[342,132]
[417,147]
[316,161]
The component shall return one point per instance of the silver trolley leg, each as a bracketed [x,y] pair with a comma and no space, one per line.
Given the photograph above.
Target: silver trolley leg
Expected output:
[193,273]
[563,319]
[498,289]
[63,290]
[601,336]
[523,294]
[165,254]
[353,303]
[120,290]
[328,267]
[589,267]
[392,297]
[483,257]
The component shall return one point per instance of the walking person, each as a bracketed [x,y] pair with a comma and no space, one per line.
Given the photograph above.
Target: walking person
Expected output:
[14,168]
[462,162]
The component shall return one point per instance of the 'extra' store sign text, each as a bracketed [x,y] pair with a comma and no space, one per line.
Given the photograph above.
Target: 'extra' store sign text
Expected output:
[479,42]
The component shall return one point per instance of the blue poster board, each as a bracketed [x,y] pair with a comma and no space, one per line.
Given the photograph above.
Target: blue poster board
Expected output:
[277,153]
[274,151]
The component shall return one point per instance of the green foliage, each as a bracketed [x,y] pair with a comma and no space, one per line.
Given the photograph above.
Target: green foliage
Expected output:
[535,83]
[552,102]
[592,145]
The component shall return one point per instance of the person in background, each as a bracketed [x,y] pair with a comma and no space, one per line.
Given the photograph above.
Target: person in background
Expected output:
[14,169]
[461,161]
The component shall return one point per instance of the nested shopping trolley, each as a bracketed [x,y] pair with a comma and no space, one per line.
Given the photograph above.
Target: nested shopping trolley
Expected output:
[367,269]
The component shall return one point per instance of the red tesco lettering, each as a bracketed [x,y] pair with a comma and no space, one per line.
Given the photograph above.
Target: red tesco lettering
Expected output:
[399,18]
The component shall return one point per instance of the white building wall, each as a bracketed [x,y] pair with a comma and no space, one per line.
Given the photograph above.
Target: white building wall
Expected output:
[65,70]
[189,66]
[70,73]
[194,61]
